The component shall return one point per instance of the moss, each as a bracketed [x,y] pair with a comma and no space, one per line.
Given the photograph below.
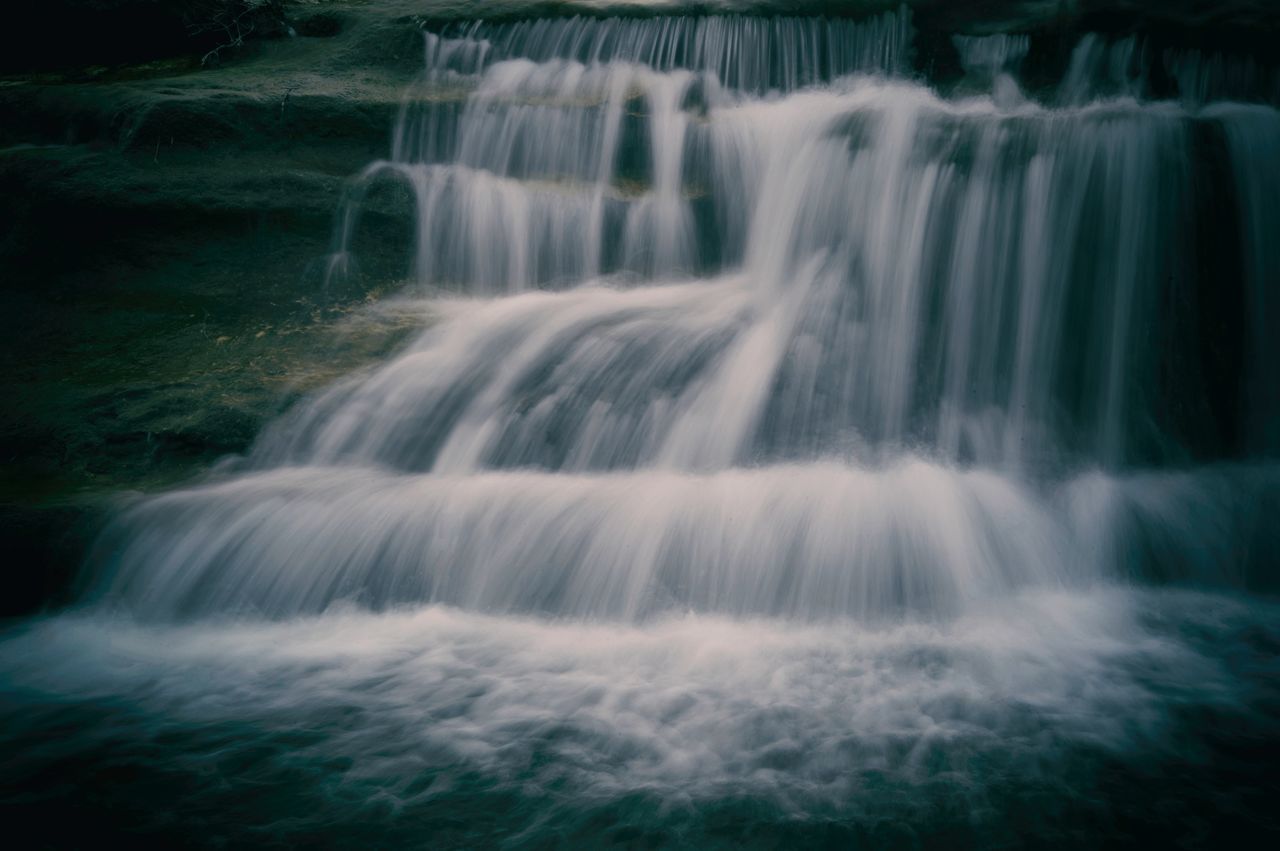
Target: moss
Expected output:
[164,232]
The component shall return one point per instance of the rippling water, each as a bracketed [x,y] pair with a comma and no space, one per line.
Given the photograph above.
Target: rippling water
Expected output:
[802,454]
[1072,718]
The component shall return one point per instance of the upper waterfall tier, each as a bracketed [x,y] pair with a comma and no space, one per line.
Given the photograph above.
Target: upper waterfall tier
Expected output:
[754,54]
[785,52]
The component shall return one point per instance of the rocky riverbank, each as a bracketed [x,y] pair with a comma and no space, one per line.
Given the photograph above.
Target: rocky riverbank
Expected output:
[164,237]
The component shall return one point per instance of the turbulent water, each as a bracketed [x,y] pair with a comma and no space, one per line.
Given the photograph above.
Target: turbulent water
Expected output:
[800,452]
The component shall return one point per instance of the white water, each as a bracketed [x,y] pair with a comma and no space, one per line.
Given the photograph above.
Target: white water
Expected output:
[932,324]
[818,718]
[807,542]
[788,429]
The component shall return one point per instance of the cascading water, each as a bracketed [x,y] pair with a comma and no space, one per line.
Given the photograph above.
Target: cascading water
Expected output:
[912,297]
[790,431]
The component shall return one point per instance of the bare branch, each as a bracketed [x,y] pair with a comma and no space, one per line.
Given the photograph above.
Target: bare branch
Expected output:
[235,20]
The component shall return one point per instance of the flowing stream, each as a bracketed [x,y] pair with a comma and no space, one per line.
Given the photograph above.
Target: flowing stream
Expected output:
[796,445]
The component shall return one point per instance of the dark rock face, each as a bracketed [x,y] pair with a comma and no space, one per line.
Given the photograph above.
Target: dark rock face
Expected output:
[45,544]
[162,235]
[68,33]
[60,34]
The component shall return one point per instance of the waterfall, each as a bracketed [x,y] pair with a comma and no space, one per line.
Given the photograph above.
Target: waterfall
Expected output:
[806,339]
[755,54]
[564,158]
[817,434]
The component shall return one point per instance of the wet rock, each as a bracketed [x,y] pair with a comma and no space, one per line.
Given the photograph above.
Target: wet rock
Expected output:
[44,547]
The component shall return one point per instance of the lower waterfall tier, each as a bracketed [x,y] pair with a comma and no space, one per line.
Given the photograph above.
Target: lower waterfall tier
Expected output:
[804,542]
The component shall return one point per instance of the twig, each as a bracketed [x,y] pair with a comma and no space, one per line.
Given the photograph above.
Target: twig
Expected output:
[234,19]
[284,100]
